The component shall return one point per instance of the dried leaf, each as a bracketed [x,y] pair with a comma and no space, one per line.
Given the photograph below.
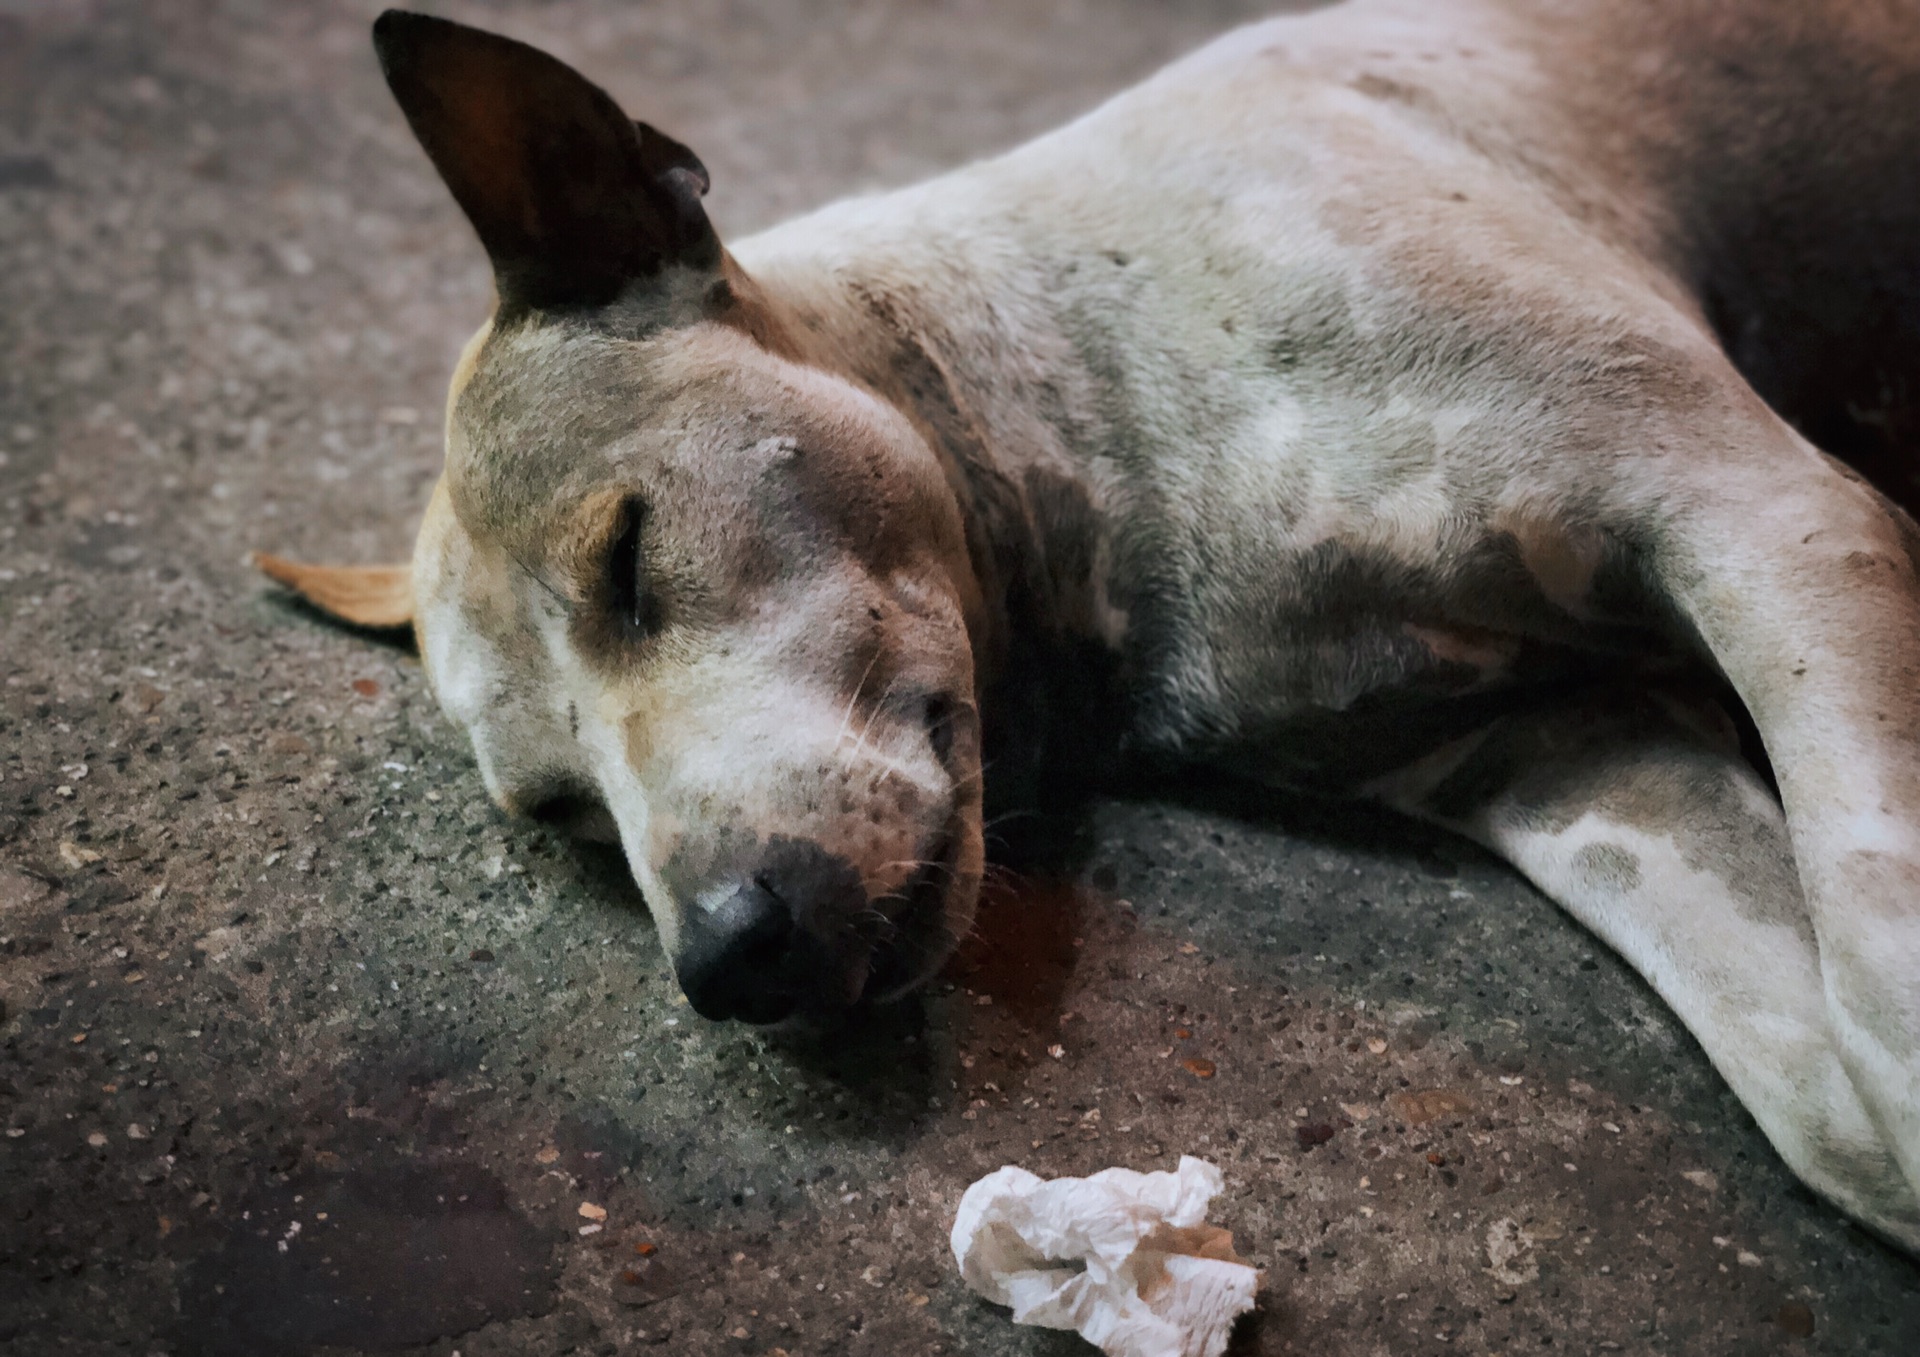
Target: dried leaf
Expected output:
[1423,1106]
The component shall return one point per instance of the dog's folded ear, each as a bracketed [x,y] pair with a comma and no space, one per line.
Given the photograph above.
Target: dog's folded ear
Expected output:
[379,597]
[573,200]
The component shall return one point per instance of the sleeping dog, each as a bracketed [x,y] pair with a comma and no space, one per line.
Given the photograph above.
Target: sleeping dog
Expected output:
[1474,407]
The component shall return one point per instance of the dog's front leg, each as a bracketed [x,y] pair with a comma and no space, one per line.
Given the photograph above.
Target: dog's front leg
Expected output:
[1802,583]
[1628,811]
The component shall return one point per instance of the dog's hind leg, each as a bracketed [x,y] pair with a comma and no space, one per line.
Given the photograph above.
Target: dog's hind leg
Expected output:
[1641,820]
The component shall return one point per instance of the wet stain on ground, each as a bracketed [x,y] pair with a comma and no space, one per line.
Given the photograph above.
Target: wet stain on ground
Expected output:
[380,1257]
[1024,944]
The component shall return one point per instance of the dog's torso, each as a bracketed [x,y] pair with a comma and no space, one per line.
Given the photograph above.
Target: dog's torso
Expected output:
[1282,380]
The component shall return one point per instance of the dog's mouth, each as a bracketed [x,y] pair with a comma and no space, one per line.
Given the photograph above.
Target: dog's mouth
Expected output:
[781,928]
[917,937]
[896,946]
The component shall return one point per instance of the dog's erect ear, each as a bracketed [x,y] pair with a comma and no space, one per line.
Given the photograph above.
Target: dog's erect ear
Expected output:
[572,199]
[375,596]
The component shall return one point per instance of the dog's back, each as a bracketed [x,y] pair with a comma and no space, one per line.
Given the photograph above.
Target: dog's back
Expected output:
[1767,152]
[1763,156]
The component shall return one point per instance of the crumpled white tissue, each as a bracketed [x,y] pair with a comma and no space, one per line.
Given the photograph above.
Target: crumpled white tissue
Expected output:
[1157,1280]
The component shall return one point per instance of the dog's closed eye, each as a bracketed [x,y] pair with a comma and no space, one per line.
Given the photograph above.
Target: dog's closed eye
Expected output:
[633,603]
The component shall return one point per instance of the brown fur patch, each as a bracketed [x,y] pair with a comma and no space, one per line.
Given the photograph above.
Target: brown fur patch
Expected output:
[1562,557]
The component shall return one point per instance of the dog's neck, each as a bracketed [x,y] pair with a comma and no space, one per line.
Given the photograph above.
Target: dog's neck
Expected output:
[981,368]
[967,342]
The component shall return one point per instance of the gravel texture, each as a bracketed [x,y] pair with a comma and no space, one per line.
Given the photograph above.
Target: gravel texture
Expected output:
[306,1050]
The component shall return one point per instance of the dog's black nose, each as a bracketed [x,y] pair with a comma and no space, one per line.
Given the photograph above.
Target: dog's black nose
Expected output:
[788,936]
[733,955]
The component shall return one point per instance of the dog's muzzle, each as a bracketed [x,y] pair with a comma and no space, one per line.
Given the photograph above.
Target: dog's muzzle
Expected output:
[797,934]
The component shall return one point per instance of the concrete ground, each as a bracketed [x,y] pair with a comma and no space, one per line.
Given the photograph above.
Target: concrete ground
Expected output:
[308,1051]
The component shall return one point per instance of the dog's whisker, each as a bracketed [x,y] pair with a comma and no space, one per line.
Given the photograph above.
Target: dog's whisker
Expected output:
[878,706]
[853,699]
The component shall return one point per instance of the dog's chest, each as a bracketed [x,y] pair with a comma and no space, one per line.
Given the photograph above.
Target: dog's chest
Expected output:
[1322,581]
[1316,537]
[1313,596]
[1327,664]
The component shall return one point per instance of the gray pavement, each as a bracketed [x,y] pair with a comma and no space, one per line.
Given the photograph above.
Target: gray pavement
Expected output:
[306,1050]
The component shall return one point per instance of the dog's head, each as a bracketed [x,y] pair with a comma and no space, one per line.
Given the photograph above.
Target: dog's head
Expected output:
[682,585]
